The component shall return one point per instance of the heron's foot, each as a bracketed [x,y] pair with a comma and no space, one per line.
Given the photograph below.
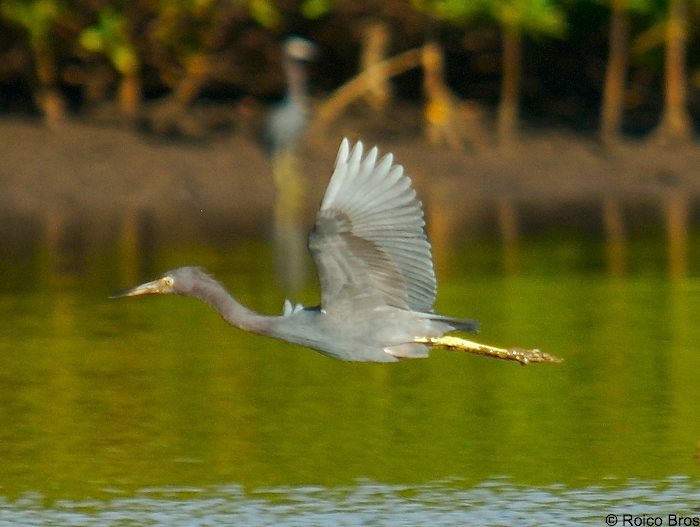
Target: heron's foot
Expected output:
[521,355]
[526,356]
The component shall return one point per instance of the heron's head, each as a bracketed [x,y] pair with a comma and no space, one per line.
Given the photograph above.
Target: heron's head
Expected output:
[300,49]
[179,281]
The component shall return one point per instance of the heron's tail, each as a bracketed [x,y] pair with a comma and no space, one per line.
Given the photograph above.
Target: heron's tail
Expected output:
[468,325]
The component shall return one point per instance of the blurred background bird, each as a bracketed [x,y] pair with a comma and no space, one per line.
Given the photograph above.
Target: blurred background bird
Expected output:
[289,118]
[284,132]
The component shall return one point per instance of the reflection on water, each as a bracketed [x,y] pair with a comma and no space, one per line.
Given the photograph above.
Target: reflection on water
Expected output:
[289,236]
[154,411]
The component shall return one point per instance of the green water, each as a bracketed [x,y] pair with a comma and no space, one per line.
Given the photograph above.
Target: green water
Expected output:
[138,405]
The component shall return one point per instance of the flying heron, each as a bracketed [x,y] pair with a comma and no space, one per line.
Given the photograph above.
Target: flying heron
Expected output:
[375,270]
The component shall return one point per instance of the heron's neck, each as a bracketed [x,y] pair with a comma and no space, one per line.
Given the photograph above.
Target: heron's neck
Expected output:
[296,80]
[232,311]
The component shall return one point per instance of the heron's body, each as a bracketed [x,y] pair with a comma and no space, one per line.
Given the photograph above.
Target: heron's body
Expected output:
[375,270]
[384,336]
[287,122]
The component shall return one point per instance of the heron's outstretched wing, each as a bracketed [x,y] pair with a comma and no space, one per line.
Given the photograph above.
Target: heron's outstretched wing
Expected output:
[368,243]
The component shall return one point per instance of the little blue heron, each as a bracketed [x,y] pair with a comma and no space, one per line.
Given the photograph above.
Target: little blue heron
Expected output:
[374,265]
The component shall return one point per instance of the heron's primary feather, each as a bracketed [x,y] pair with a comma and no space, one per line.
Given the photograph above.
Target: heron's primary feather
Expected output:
[369,242]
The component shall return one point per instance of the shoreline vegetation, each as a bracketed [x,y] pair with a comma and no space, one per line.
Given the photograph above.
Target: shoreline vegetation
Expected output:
[146,115]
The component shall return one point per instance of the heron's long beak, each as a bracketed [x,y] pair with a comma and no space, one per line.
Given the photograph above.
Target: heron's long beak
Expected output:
[156,287]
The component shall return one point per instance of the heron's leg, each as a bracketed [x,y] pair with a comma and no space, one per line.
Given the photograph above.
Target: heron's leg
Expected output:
[523,356]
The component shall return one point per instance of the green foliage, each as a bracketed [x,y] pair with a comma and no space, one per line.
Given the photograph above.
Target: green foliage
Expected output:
[537,17]
[110,37]
[632,6]
[451,10]
[37,17]
[168,37]
[264,12]
[316,8]
[268,15]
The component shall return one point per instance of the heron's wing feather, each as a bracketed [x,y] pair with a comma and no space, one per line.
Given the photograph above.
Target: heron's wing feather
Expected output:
[369,242]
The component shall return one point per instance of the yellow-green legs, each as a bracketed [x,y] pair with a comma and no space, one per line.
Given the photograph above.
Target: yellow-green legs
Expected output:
[523,356]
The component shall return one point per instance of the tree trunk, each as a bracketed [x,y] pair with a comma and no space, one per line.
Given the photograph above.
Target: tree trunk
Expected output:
[129,96]
[615,74]
[197,69]
[675,123]
[376,42]
[510,85]
[48,97]
[356,87]
[440,108]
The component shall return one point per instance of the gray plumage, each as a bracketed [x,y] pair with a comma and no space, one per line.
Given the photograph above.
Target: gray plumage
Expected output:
[374,265]
[287,122]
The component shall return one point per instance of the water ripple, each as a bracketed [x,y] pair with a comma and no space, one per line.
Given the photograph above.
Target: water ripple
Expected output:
[493,503]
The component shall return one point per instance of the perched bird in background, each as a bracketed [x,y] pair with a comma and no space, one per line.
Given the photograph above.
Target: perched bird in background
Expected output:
[288,120]
[284,132]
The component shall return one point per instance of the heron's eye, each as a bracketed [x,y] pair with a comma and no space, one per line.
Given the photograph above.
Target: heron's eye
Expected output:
[168,281]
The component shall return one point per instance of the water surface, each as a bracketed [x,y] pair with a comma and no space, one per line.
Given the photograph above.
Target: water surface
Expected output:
[153,411]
